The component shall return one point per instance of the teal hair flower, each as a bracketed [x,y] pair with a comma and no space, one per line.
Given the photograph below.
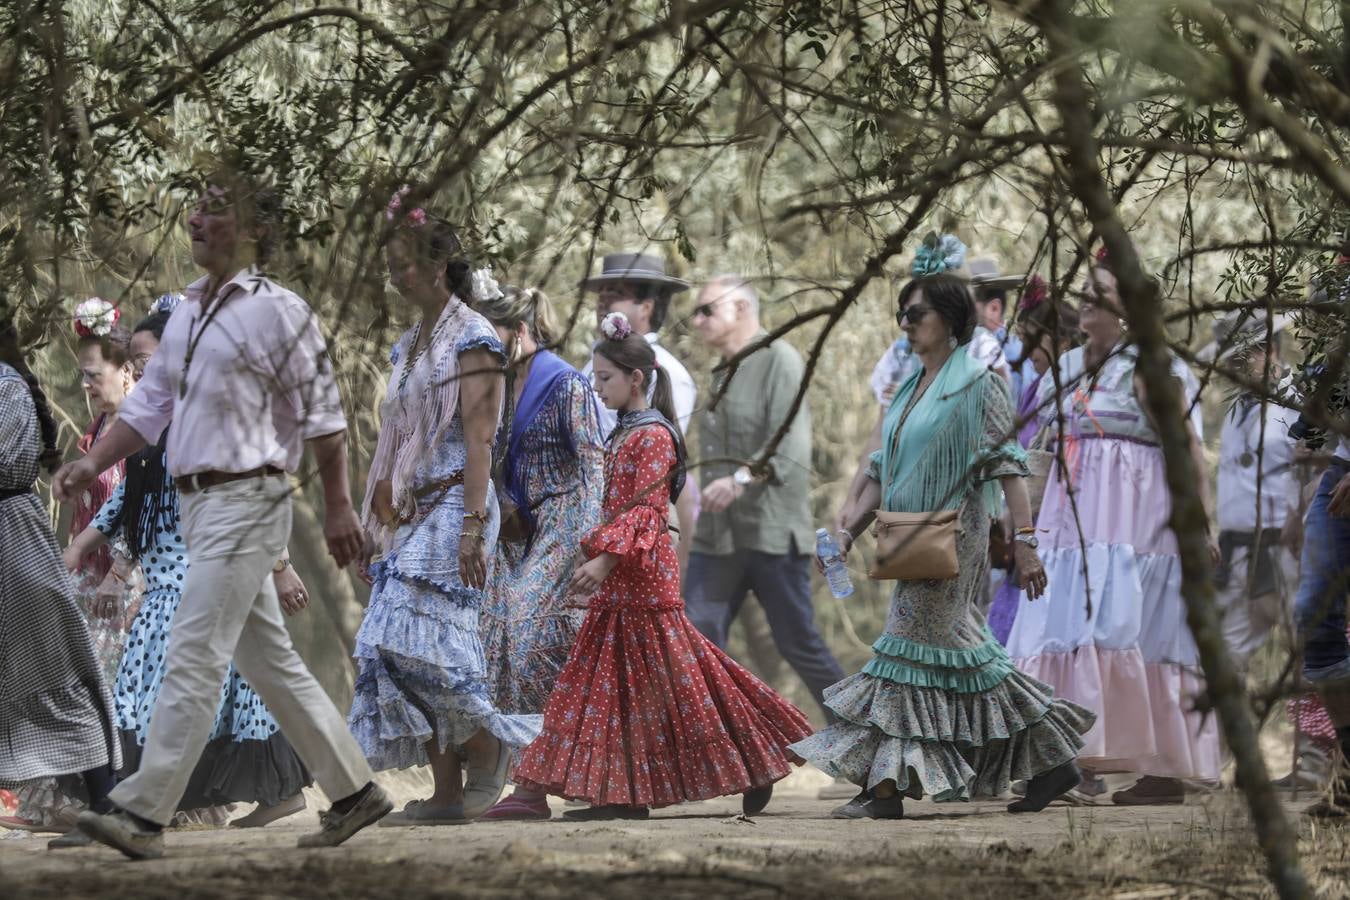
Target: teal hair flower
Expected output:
[938,254]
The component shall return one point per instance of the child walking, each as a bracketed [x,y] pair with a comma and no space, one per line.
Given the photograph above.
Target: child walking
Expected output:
[647,712]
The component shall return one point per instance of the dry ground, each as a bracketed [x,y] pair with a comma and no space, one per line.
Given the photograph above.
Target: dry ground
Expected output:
[966,851]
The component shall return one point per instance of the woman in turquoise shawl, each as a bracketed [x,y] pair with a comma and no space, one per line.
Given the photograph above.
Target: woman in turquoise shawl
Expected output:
[940,711]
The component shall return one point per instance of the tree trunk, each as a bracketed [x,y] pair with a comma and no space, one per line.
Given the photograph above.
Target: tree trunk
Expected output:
[323,633]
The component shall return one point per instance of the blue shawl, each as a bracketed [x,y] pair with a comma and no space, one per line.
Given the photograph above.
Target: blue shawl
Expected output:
[544,399]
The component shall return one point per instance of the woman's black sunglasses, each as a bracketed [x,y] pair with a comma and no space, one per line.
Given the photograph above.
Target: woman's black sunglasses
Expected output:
[913,314]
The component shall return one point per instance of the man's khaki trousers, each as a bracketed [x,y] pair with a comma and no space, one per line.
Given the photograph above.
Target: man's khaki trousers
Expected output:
[234,534]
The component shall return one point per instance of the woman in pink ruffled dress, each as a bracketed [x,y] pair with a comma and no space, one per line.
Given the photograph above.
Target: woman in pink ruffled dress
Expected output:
[1111,632]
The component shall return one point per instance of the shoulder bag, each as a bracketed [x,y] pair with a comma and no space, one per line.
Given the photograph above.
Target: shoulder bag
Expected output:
[915,546]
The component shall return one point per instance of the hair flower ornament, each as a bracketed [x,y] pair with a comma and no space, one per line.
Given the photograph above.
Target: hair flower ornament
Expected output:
[483,286]
[166,303]
[938,254]
[1034,293]
[615,326]
[96,318]
[415,217]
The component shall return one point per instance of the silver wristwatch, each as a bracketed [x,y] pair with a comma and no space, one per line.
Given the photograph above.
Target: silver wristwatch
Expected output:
[1028,539]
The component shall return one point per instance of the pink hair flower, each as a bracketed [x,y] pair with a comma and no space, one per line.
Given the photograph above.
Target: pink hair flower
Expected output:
[616,326]
[1034,293]
[415,217]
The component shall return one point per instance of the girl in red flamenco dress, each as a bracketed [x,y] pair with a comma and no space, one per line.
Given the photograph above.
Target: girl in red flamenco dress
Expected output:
[647,712]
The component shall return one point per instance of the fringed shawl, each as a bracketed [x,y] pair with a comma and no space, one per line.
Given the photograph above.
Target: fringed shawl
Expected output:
[934,461]
[414,419]
[545,404]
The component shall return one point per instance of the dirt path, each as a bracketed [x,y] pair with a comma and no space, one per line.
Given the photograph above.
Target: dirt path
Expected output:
[971,850]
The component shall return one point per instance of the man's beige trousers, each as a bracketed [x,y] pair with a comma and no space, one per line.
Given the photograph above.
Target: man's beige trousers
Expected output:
[234,533]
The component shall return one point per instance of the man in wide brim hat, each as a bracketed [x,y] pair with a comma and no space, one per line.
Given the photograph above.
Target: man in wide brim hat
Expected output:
[636,284]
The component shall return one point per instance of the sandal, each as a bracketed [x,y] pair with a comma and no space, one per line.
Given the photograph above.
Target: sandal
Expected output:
[265,815]
[420,812]
[518,809]
[484,786]
[19,823]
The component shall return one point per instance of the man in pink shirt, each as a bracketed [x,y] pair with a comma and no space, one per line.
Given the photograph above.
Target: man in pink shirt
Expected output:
[243,376]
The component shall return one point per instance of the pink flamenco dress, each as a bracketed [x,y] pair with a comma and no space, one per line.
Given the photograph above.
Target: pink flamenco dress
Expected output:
[1111,632]
[647,712]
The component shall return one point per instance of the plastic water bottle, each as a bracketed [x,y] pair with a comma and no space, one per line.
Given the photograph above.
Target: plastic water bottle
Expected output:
[832,558]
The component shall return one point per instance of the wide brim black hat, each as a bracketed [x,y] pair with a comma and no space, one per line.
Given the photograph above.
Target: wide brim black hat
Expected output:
[643,267]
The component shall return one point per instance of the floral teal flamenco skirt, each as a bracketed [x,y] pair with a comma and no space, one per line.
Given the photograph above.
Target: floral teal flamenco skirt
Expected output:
[944,723]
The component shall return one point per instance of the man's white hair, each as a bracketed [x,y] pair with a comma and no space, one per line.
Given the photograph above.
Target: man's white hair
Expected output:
[734,285]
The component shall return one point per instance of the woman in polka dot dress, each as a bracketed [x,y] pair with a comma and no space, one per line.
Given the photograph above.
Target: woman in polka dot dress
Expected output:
[247,759]
[647,712]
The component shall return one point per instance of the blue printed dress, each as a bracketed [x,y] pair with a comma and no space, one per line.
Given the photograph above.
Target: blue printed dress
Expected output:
[247,759]
[558,461]
[421,665]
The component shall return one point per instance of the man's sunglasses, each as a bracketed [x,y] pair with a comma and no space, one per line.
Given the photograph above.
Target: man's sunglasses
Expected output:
[913,314]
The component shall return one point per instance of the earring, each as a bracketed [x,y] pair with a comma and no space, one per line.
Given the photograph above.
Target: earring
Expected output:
[951,341]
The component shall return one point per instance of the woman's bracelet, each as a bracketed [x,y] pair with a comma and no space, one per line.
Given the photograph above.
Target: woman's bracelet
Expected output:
[479,517]
[1027,529]
[474,535]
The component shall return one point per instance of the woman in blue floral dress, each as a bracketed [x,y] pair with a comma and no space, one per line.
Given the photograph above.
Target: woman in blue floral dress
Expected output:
[247,759]
[422,695]
[551,481]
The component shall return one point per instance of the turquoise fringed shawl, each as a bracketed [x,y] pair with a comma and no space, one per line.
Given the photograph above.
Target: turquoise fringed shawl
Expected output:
[933,461]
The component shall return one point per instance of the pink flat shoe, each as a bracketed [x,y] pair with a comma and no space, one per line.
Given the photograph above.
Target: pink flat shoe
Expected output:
[517,809]
[18,823]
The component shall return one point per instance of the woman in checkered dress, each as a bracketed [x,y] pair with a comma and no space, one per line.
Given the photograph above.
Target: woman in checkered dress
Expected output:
[55,708]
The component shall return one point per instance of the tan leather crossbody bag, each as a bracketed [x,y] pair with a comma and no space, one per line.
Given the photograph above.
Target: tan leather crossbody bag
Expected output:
[915,546]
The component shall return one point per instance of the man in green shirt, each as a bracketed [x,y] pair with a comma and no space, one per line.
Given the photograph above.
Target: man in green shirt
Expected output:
[754,529]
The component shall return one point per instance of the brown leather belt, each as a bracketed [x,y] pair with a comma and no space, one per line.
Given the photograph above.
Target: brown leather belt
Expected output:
[436,487]
[443,485]
[200,481]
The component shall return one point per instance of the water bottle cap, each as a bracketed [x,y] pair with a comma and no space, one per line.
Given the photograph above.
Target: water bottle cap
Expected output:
[822,532]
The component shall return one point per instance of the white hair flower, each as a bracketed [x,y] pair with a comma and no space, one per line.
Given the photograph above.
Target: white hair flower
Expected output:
[483,286]
[95,317]
[616,326]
